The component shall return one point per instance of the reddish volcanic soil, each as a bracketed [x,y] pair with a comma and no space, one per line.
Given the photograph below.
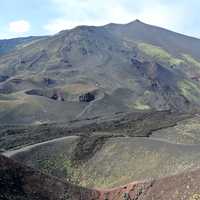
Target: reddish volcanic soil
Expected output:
[185,186]
[129,191]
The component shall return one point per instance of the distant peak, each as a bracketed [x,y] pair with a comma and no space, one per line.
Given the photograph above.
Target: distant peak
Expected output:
[137,20]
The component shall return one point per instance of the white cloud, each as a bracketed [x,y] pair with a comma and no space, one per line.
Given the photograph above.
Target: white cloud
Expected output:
[86,12]
[167,14]
[19,27]
[57,25]
[160,15]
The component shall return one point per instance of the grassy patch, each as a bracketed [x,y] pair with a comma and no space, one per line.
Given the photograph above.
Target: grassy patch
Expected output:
[60,165]
[189,90]
[131,83]
[129,161]
[191,60]
[186,132]
[139,104]
[158,53]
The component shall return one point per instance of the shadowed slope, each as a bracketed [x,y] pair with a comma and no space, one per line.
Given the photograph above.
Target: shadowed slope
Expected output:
[19,182]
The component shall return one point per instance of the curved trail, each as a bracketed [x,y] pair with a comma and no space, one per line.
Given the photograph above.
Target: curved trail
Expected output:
[11,153]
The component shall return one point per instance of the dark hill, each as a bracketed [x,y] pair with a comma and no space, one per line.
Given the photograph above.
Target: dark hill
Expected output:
[18,182]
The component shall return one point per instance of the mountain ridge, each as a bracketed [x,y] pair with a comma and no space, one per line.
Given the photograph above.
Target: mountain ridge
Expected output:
[123,67]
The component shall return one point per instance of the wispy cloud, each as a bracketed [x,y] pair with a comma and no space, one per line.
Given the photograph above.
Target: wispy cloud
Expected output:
[87,12]
[51,16]
[19,27]
[169,14]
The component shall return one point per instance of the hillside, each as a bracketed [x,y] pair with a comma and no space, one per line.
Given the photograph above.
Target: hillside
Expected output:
[19,182]
[96,71]
[113,108]
[35,185]
[9,45]
[107,153]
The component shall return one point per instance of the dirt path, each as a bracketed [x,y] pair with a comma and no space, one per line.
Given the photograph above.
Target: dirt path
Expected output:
[11,153]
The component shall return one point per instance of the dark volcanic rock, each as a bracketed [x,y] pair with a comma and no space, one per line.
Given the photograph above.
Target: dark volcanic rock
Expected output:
[35,92]
[49,81]
[130,124]
[3,78]
[87,97]
[58,96]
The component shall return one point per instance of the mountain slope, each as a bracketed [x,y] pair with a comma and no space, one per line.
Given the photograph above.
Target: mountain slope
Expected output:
[120,67]
[172,42]
[19,182]
[11,44]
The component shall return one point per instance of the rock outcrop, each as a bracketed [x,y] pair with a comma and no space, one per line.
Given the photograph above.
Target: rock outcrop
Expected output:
[88,97]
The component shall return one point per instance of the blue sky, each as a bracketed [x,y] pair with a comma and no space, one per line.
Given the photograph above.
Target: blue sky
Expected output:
[41,17]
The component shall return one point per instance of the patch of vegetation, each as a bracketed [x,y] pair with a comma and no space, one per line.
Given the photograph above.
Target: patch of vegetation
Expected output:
[191,60]
[195,197]
[189,90]
[158,53]
[59,165]
[186,132]
[131,83]
[147,93]
[128,165]
[139,105]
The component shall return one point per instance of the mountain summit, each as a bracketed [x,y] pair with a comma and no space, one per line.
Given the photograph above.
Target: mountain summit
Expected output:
[93,71]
